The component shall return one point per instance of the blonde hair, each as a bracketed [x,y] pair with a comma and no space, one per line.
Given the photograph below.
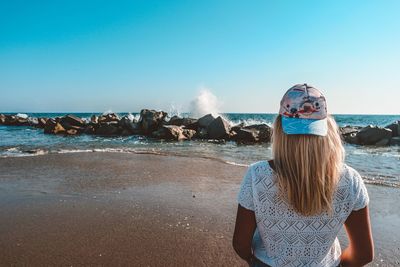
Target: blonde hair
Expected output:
[308,167]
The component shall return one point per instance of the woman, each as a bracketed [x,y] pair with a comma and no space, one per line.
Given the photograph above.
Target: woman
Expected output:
[291,208]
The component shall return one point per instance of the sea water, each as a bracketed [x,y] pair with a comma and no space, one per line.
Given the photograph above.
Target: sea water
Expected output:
[377,165]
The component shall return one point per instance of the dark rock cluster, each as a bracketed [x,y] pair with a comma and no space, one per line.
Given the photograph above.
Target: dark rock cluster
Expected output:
[154,124]
[372,135]
[151,123]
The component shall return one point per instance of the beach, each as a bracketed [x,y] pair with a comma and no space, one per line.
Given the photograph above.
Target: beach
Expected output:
[133,209]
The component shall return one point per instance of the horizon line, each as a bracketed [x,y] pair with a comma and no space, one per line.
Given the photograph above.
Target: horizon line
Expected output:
[256,113]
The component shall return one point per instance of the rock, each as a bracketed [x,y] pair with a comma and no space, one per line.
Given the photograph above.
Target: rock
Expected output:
[58,129]
[71,120]
[264,131]
[34,122]
[175,120]
[395,141]
[395,127]
[237,127]
[14,120]
[42,122]
[150,120]
[202,133]
[170,132]
[218,129]
[371,135]
[349,129]
[129,125]
[72,132]
[94,119]
[351,138]
[192,126]
[246,136]
[22,116]
[90,129]
[189,133]
[349,133]
[204,121]
[110,117]
[2,118]
[107,129]
[383,142]
[49,126]
[53,127]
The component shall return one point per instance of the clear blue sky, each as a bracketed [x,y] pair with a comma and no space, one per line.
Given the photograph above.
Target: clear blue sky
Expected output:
[126,55]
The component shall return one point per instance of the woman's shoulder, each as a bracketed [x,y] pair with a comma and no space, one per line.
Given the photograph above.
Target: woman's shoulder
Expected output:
[260,166]
[349,174]
[260,170]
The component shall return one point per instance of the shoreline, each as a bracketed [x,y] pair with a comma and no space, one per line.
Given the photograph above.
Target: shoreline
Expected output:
[148,210]
[40,152]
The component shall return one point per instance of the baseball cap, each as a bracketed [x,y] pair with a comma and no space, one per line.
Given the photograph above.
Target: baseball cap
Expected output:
[303,111]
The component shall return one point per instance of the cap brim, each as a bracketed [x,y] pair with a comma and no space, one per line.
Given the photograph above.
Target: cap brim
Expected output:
[305,126]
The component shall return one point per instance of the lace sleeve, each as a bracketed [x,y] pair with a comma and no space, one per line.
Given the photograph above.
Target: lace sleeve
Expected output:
[360,194]
[245,196]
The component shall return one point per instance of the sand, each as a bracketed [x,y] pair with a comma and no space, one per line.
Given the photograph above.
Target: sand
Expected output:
[119,209]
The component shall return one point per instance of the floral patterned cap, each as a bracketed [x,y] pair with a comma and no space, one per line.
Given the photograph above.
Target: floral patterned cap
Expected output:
[304,111]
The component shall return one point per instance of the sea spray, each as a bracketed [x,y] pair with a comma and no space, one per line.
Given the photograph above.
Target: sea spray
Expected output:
[174,111]
[205,103]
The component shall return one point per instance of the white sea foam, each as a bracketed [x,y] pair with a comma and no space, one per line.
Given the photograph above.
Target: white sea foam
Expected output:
[107,112]
[22,115]
[205,103]
[236,164]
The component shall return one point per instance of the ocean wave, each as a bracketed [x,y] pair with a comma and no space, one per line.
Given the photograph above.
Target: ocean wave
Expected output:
[236,164]
[248,122]
[382,182]
[17,152]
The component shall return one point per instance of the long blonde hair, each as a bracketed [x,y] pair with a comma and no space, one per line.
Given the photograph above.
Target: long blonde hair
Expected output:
[308,167]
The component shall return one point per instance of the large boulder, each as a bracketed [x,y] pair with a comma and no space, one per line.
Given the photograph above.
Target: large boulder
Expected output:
[32,121]
[41,122]
[72,124]
[218,129]
[94,119]
[202,133]
[244,136]
[170,132]
[346,130]
[53,127]
[204,121]
[71,120]
[189,133]
[395,127]
[90,129]
[49,126]
[178,121]
[107,118]
[107,129]
[16,120]
[150,120]
[129,125]
[264,131]
[237,127]
[351,138]
[2,118]
[373,135]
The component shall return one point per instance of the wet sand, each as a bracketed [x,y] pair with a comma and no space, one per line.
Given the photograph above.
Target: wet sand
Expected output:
[139,210]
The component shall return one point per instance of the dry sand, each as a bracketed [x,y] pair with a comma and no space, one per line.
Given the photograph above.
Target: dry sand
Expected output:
[117,209]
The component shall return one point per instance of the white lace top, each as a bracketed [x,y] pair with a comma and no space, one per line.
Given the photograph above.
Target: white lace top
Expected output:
[286,238]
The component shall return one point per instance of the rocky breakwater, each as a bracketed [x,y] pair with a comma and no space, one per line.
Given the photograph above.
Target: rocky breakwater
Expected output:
[156,124]
[372,135]
[151,123]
